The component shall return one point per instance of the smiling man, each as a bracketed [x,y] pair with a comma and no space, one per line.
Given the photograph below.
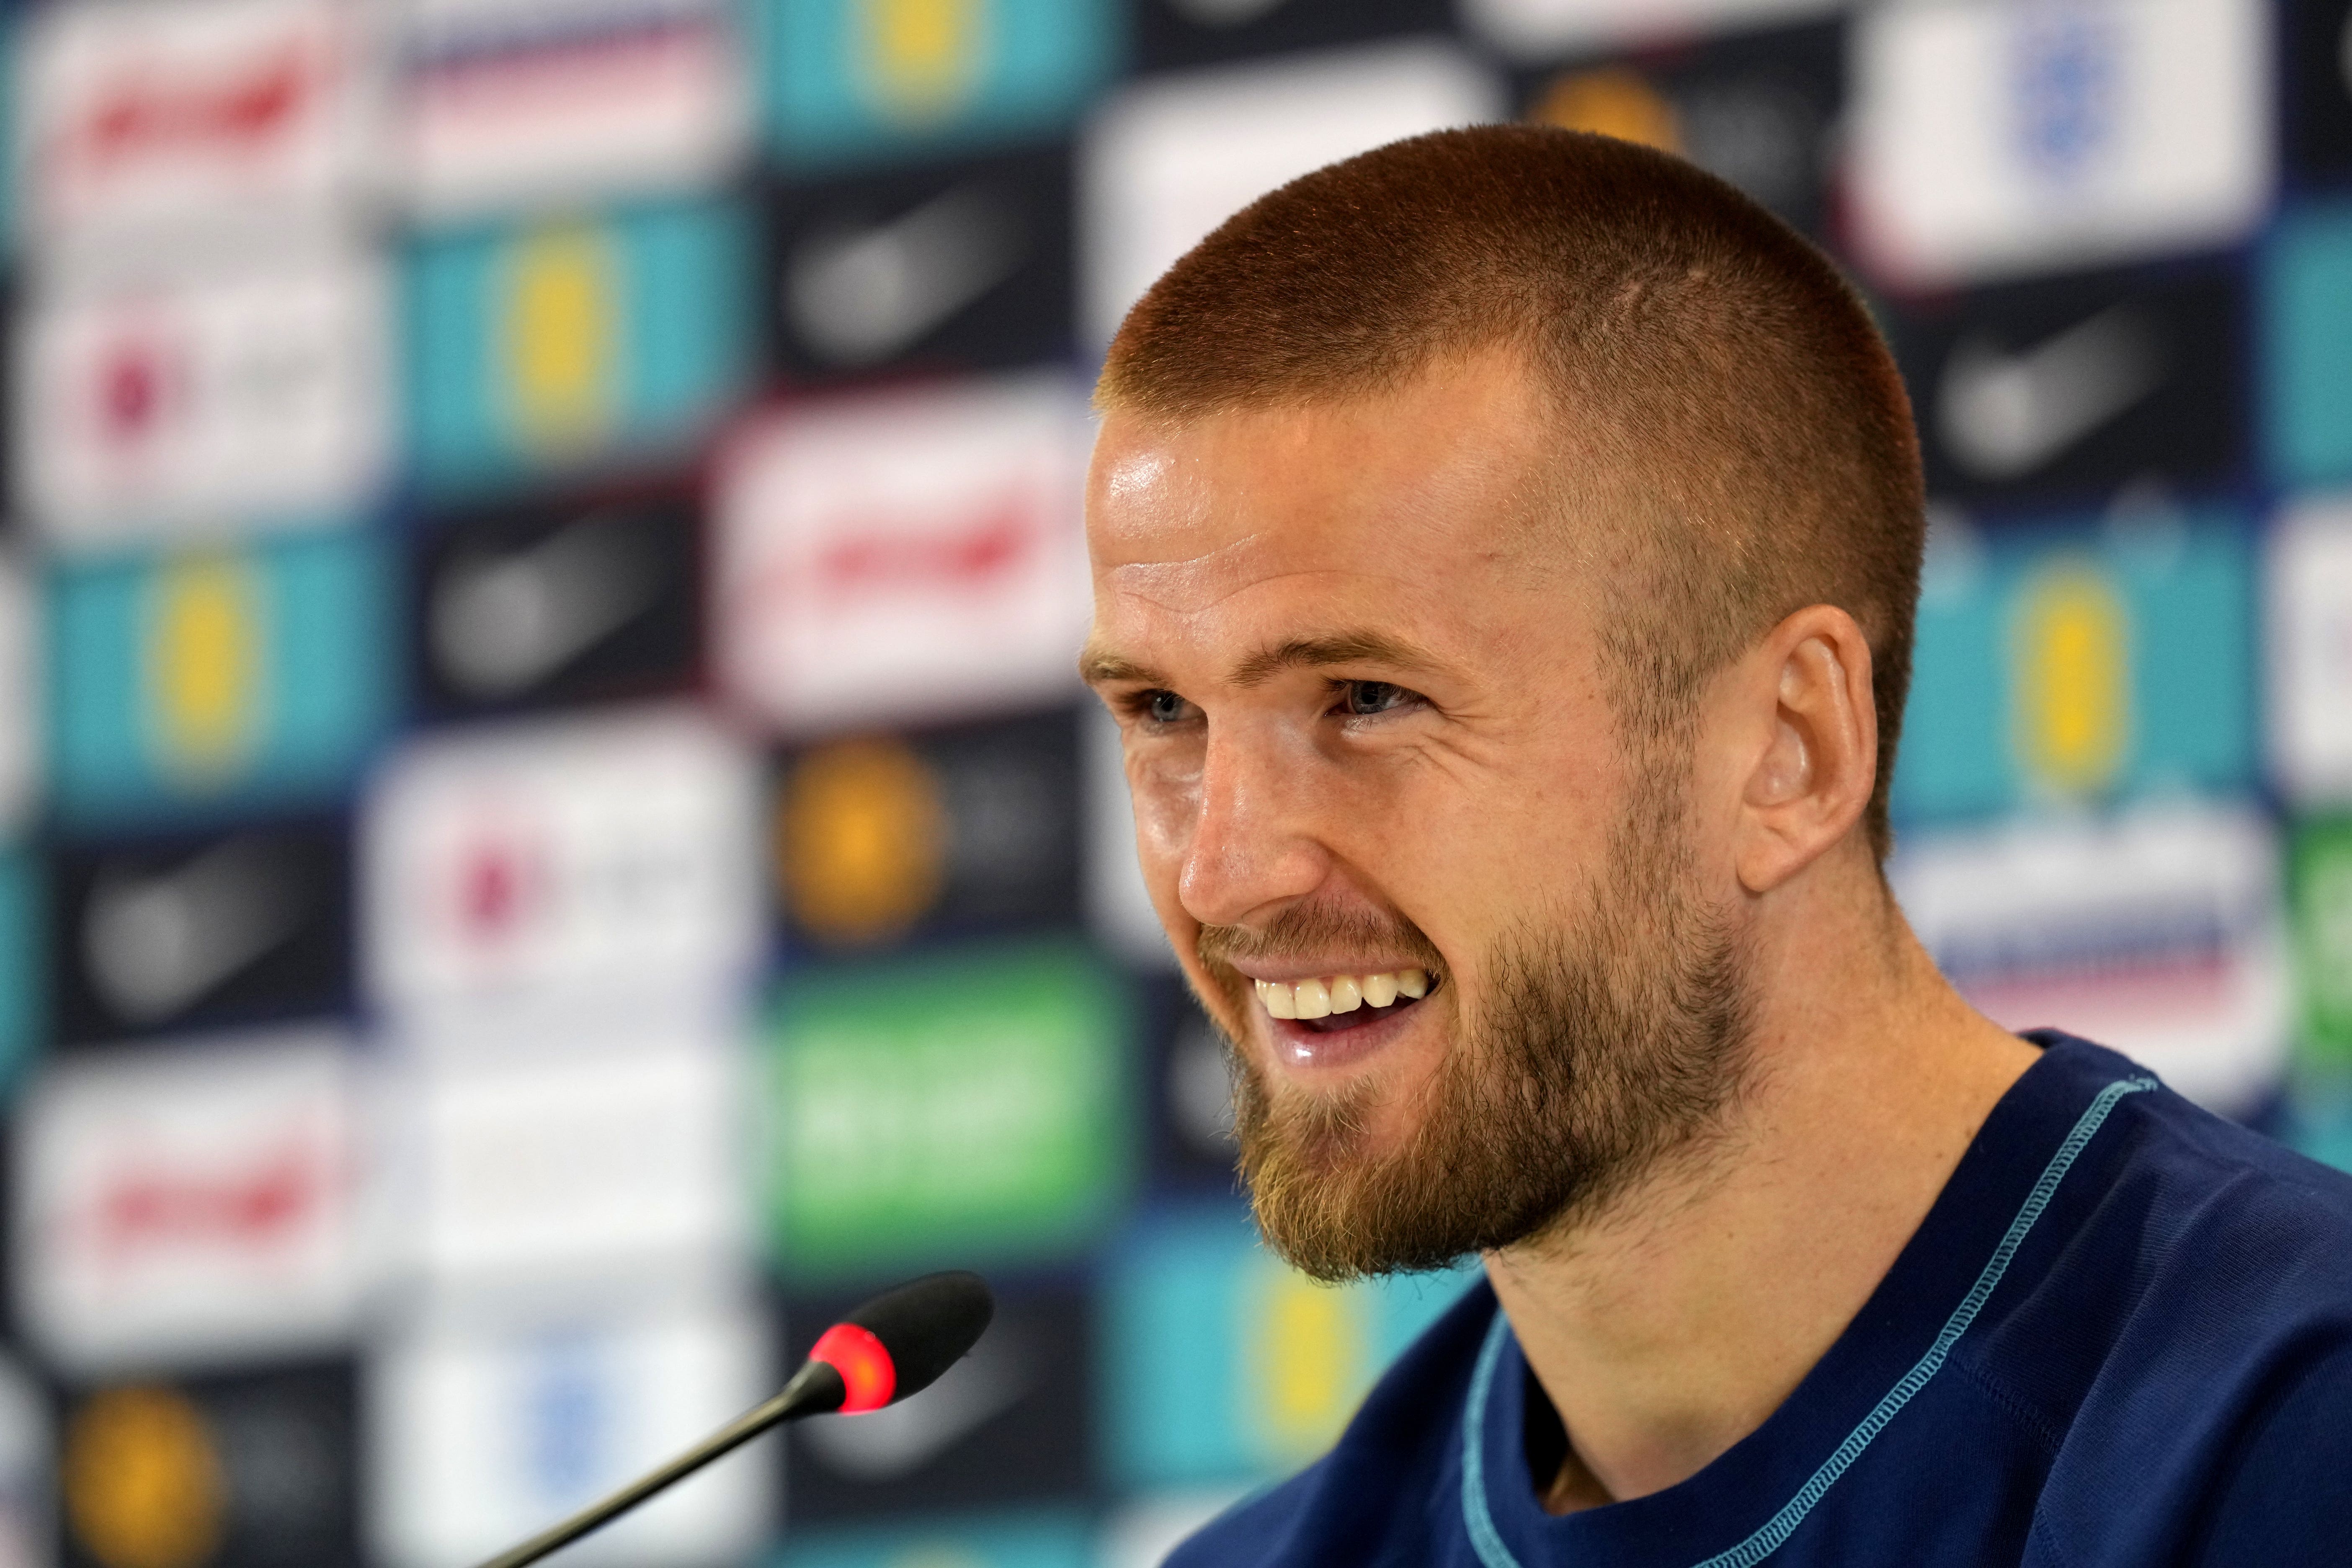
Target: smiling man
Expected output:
[1505,546]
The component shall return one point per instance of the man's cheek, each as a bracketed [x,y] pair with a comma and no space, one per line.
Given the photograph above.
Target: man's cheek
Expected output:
[1167,807]
[1225,998]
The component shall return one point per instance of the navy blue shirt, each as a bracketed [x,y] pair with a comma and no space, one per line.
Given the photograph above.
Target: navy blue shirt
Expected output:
[2122,1336]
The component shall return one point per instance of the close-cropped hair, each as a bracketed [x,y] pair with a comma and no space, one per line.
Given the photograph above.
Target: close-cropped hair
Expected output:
[1732,429]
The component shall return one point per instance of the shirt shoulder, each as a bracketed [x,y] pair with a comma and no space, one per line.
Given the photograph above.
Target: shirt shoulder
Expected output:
[1372,1499]
[2185,1212]
[2185,1343]
[2280,1495]
[2209,1220]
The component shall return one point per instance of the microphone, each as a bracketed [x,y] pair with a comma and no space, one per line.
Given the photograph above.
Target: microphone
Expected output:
[896,1344]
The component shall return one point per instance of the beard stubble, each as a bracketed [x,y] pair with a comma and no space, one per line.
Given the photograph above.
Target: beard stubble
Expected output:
[1613,1039]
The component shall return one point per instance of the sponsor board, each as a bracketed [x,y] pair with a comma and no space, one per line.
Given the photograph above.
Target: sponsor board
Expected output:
[864,81]
[2076,387]
[2157,932]
[27,1470]
[937,1110]
[1178,33]
[2309,634]
[551,603]
[1221,1361]
[903,556]
[2074,663]
[2316,52]
[200,406]
[199,931]
[24,995]
[1007,1423]
[963,831]
[956,266]
[198,1202]
[1537,28]
[21,740]
[596,1156]
[206,680]
[1755,108]
[566,341]
[1191,1090]
[2320,905]
[241,1470]
[563,856]
[2304,343]
[1992,139]
[1143,1530]
[1043,1538]
[483,1435]
[529,103]
[1166,159]
[143,117]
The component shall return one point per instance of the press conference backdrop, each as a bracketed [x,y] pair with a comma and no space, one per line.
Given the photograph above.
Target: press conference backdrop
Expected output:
[552,839]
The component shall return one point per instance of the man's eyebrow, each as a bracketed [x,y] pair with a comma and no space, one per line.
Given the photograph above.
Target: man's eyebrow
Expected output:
[1363,647]
[1097,666]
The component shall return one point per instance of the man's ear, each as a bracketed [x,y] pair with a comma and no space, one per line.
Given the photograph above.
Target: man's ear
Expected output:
[1811,780]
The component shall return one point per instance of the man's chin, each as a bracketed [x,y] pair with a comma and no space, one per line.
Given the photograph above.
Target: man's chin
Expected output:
[1334,1197]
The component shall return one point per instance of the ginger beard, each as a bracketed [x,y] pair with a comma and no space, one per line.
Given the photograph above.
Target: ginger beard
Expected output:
[1612,1039]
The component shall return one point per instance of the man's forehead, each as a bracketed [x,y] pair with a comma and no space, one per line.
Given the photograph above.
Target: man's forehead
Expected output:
[1194,509]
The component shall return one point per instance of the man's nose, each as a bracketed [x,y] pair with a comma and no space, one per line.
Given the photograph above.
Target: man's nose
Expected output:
[1254,844]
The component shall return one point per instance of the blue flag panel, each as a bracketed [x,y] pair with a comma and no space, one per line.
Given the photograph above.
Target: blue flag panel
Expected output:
[212,680]
[2077,663]
[1221,1361]
[1046,1539]
[864,80]
[2306,347]
[573,341]
[23,1004]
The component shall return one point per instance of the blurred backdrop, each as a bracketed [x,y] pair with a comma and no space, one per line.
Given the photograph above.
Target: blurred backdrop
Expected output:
[553,841]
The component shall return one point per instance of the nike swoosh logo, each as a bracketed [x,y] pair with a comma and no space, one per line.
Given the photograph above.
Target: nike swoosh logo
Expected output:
[899,1439]
[157,945]
[2004,414]
[859,296]
[503,624]
[1222,13]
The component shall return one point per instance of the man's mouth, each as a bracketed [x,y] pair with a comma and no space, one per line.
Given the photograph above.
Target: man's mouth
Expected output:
[1330,1003]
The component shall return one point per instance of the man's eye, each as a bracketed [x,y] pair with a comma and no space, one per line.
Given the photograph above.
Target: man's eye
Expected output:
[1367,696]
[1163,707]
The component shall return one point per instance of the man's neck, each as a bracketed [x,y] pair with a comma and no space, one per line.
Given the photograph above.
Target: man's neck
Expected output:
[1671,1324]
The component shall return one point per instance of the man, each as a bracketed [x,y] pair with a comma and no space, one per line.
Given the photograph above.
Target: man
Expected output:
[1506,546]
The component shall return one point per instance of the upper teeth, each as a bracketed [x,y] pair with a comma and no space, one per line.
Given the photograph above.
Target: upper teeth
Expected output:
[1339,993]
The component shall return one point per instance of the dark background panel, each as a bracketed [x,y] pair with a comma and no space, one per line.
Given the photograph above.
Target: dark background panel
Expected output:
[199,932]
[1760,110]
[938,833]
[2066,390]
[1009,1424]
[2316,38]
[959,266]
[1191,1087]
[238,1470]
[1179,33]
[553,602]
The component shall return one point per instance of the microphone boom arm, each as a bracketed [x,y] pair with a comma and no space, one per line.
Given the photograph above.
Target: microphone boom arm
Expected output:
[815,1389]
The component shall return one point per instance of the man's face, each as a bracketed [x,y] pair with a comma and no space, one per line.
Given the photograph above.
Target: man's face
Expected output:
[1358,671]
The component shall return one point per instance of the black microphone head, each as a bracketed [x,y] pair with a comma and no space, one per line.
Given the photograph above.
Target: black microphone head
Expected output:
[900,1341]
[927,1324]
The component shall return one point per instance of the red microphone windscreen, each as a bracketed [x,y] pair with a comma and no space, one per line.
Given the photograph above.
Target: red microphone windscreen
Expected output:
[863,1363]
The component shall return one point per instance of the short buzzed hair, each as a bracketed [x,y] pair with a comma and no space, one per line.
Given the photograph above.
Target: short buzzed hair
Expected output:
[1724,391]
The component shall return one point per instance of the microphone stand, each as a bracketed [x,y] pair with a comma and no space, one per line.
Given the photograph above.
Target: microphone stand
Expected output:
[815,1389]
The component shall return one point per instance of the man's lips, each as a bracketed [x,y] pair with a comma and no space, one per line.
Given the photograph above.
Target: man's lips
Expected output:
[1340,1039]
